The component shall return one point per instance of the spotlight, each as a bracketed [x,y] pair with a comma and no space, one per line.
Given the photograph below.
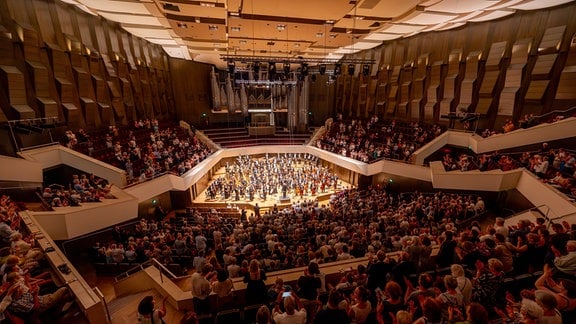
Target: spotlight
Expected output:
[351,68]
[337,69]
[286,68]
[366,69]
[256,69]
[231,67]
[322,69]
[304,69]
[271,70]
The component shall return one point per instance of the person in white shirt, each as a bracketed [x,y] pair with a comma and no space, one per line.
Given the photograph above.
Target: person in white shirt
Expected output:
[500,228]
[291,314]
[201,288]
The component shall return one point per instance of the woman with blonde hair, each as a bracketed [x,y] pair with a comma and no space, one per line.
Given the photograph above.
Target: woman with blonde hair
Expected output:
[464,284]
[263,315]
[255,287]
[403,317]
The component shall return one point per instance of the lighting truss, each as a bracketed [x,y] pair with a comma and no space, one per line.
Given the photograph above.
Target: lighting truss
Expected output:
[295,60]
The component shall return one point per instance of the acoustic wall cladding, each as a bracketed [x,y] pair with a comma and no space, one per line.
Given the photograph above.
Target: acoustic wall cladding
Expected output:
[58,61]
[500,69]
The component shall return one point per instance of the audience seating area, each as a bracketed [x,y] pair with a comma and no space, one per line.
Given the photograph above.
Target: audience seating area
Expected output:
[240,137]
[555,166]
[529,120]
[372,140]
[27,276]
[388,239]
[145,150]
[80,189]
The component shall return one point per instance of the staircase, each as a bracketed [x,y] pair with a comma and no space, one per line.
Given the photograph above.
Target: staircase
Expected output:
[239,137]
[125,309]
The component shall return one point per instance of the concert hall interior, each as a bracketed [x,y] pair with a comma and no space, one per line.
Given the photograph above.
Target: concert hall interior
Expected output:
[267,161]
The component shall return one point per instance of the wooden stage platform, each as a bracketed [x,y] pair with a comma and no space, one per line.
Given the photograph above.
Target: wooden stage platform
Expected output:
[281,202]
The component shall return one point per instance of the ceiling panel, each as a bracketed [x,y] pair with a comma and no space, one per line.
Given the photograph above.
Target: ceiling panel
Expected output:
[401,29]
[425,18]
[307,9]
[136,8]
[492,15]
[382,36]
[539,4]
[461,6]
[206,29]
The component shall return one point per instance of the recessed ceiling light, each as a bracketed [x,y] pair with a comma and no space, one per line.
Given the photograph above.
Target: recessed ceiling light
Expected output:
[235,29]
[242,42]
[319,34]
[234,13]
[212,27]
[281,27]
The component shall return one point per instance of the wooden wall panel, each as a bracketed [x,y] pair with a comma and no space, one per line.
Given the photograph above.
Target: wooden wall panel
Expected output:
[44,19]
[514,77]
[566,90]
[451,83]
[73,66]
[183,72]
[393,91]
[19,11]
[433,93]
[469,84]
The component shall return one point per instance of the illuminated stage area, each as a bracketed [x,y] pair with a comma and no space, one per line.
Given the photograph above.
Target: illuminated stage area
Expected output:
[275,179]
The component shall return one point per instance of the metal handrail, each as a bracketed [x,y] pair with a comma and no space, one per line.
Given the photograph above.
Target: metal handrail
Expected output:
[546,214]
[22,149]
[562,217]
[153,262]
[100,295]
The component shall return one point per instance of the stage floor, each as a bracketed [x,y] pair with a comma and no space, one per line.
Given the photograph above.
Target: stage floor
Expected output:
[269,202]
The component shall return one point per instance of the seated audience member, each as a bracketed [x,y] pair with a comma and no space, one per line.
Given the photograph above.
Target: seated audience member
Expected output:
[567,263]
[564,290]
[530,311]
[25,300]
[551,315]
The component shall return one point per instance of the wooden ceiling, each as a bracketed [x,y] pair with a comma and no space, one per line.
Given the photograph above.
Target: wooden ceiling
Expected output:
[203,30]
